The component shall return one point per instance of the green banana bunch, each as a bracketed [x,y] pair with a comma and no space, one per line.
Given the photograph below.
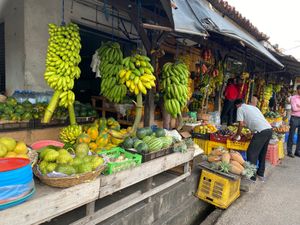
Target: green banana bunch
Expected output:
[62,60]
[70,133]
[137,74]
[175,87]
[111,57]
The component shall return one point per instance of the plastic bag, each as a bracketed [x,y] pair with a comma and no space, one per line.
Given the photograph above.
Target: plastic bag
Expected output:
[13,192]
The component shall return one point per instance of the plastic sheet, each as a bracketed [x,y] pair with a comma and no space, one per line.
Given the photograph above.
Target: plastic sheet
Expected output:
[13,192]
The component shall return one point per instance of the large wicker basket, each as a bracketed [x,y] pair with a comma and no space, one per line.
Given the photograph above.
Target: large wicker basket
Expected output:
[64,182]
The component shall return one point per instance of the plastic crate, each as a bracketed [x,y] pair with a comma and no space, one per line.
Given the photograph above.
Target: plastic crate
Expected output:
[201,136]
[203,144]
[238,145]
[113,167]
[272,155]
[218,190]
[280,149]
[218,138]
[211,145]
[153,155]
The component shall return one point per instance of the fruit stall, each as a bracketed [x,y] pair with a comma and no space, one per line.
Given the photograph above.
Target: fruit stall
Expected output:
[157,108]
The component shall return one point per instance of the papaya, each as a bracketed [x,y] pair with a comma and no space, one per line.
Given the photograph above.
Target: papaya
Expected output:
[83,138]
[102,124]
[102,140]
[93,146]
[93,133]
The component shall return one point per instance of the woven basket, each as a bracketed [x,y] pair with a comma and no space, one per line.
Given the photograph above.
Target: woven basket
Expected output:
[64,182]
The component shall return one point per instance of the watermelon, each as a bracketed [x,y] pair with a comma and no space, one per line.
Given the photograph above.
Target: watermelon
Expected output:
[137,143]
[128,143]
[148,131]
[141,133]
[160,132]
[167,141]
[147,139]
[142,147]
[155,145]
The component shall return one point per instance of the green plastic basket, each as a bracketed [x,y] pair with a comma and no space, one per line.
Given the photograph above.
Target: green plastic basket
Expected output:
[132,160]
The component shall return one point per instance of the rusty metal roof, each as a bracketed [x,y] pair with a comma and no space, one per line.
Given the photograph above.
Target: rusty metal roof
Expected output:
[230,11]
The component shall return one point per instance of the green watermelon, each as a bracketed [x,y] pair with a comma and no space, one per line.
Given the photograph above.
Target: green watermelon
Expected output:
[141,133]
[137,143]
[160,132]
[155,145]
[167,141]
[142,147]
[128,143]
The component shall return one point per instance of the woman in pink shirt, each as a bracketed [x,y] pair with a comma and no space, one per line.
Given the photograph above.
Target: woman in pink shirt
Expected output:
[294,123]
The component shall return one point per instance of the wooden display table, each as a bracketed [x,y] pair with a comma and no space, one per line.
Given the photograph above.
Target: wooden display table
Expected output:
[49,202]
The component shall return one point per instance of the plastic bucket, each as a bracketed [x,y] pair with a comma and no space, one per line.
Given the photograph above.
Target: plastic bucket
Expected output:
[43,143]
[295,139]
[16,179]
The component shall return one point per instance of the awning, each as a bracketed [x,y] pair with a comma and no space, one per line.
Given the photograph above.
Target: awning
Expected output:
[214,22]
[184,19]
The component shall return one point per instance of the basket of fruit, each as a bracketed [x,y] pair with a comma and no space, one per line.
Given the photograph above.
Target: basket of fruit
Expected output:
[59,167]
[10,148]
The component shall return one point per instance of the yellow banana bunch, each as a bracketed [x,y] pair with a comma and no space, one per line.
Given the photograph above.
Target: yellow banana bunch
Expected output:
[111,57]
[175,87]
[265,98]
[62,60]
[137,74]
[70,133]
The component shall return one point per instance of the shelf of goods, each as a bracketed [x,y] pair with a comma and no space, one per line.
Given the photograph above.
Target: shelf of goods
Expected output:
[105,107]
[60,201]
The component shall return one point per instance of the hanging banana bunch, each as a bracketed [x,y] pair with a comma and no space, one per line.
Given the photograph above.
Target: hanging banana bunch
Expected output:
[175,87]
[111,58]
[62,67]
[137,74]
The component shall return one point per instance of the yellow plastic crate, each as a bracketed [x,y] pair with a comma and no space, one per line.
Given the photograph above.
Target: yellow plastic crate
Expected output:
[218,190]
[237,145]
[280,149]
[201,143]
[211,145]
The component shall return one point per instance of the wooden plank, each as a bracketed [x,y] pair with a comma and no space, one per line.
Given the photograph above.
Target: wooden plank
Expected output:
[119,206]
[50,202]
[112,183]
[90,208]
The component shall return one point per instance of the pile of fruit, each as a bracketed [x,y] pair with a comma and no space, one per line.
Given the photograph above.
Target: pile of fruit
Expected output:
[68,162]
[272,115]
[148,141]
[230,162]
[84,110]
[103,134]
[175,87]
[10,148]
[205,129]
[282,129]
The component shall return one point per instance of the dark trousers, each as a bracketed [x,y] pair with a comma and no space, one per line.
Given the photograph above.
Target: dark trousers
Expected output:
[258,148]
[227,112]
[294,123]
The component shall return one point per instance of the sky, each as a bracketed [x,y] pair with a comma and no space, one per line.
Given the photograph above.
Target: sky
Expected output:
[280,20]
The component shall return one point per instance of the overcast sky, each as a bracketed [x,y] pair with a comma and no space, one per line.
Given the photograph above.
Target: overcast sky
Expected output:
[280,20]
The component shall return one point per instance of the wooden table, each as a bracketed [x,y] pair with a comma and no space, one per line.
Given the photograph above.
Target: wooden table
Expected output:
[50,202]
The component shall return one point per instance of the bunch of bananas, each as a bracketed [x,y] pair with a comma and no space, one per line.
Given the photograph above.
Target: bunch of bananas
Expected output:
[137,74]
[265,98]
[190,88]
[62,61]
[111,57]
[277,88]
[175,87]
[70,133]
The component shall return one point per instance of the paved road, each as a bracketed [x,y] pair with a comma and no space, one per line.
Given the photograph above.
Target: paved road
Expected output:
[274,202]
